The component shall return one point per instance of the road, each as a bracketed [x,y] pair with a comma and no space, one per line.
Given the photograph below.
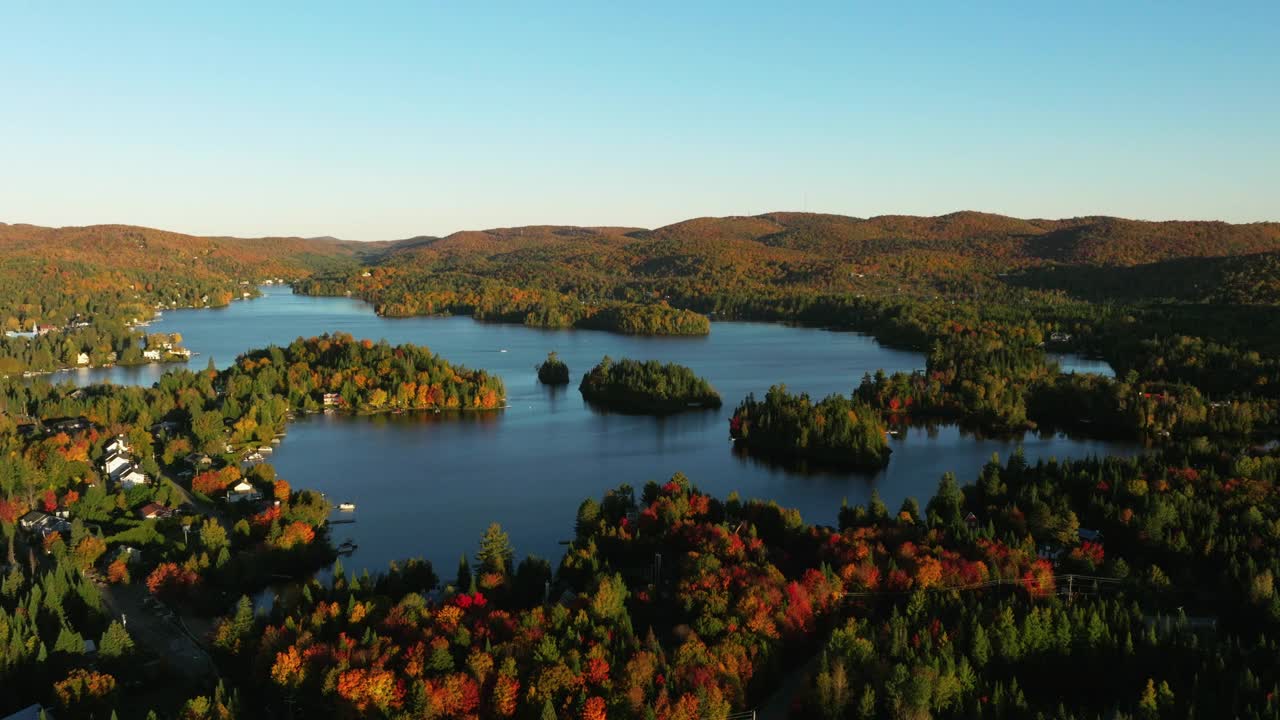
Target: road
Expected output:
[167,639]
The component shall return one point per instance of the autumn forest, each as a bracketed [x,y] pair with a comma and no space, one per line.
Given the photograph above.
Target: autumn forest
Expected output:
[138,519]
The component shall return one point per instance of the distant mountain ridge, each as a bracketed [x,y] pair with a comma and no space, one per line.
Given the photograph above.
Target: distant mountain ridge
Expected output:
[148,249]
[780,236]
[1097,240]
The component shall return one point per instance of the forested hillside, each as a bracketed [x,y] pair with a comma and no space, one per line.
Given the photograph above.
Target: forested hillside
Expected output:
[539,274]
[81,287]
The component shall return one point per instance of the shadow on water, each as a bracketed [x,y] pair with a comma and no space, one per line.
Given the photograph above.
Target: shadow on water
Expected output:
[410,418]
[693,412]
[802,467]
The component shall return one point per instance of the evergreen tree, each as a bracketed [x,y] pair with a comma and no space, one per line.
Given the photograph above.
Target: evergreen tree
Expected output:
[876,507]
[495,551]
[946,506]
[115,642]
[463,581]
[69,641]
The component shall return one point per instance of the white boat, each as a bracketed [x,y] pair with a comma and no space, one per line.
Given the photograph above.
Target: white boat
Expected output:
[347,507]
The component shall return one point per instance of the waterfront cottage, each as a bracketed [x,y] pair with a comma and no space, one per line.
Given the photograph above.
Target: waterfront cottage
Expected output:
[133,477]
[40,524]
[243,491]
[154,511]
[198,459]
[118,446]
[116,463]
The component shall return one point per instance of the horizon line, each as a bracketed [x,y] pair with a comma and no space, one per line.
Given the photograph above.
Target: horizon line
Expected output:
[862,218]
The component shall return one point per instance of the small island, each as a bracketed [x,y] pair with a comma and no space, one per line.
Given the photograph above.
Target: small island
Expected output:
[647,388]
[335,372]
[836,431]
[553,371]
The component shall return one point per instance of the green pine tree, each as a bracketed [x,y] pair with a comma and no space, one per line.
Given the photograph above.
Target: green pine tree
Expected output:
[463,582]
[115,642]
[69,641]
[496,552]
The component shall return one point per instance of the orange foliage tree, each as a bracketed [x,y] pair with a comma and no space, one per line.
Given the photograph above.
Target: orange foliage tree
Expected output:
[170,580]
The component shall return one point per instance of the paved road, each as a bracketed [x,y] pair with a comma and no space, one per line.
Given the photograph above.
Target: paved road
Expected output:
[166,639]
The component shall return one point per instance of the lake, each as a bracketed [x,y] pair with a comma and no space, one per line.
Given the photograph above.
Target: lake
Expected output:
[427,485]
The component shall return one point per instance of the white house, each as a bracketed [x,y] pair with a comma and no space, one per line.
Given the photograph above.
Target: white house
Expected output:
[150,354]
[82,359]
[41,524]
[116,463]
[133,477]
[32,520]
[118,446]
[243,491]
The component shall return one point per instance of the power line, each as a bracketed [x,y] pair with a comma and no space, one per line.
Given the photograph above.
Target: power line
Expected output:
[1069,578]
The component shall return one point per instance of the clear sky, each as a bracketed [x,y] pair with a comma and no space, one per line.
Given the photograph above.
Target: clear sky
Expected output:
[383,120]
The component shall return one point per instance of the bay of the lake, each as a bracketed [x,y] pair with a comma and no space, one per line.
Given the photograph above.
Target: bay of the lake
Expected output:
[427,485]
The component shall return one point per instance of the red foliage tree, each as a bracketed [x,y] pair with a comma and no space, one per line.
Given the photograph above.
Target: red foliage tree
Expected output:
[594,709]
[171,580]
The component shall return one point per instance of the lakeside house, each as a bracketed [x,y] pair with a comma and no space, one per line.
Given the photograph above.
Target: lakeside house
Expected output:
[116,463]
[82,359]
[41,525]
[154,511]
[153,355]
[118,445]
[69,425]
[198,459]
[243,491]
[132,478]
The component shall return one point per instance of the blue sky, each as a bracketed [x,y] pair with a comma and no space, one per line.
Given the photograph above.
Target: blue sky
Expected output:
[423,118]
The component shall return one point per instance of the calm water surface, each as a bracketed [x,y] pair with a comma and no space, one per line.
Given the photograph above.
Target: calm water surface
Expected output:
[428,485]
